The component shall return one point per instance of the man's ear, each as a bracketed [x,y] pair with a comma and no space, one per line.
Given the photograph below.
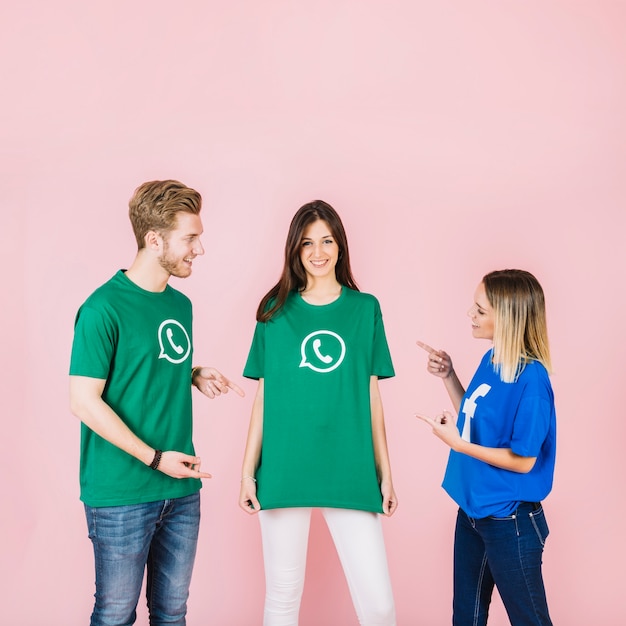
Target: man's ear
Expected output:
[154,240]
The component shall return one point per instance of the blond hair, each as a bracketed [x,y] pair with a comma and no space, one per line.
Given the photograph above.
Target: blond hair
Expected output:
[520,330]
[155,204]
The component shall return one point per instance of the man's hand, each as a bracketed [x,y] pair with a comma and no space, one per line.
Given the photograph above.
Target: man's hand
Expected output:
[213,383]
[179,465]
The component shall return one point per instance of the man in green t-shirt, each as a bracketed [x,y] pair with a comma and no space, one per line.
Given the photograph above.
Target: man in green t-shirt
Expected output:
[130,385]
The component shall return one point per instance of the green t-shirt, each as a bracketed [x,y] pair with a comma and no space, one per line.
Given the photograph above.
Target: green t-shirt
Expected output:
[316,362]
[140,342]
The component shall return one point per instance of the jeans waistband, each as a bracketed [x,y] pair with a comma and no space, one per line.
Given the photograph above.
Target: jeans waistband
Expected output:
[535,505]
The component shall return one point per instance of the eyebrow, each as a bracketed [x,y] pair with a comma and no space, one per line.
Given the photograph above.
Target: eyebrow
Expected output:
[323,237]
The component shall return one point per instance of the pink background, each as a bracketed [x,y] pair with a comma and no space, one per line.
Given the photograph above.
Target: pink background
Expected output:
[453,138]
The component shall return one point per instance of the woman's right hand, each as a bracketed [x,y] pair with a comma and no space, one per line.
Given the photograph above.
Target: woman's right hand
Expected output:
[439,361]
[247,496]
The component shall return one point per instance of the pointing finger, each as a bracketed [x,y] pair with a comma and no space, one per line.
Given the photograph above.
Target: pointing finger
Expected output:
[425,346]
[425,418]
[238,390]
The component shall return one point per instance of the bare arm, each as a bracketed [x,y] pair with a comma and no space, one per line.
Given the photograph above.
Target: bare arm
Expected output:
[444,427]
[503,458]
[87,404]
[455,389]
[247,495]
[381,453]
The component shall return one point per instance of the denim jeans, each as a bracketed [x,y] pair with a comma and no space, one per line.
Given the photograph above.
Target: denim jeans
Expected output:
[506,552]
[160,536]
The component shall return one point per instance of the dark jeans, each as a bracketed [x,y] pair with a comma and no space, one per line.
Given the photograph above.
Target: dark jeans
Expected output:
[505,551]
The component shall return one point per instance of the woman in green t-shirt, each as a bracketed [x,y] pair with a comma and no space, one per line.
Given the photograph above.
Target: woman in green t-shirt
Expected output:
[317,432]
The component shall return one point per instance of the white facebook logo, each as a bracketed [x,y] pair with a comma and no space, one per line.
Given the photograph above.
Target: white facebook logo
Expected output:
[469,408]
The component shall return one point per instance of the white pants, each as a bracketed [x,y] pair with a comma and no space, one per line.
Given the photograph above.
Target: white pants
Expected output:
[358,538]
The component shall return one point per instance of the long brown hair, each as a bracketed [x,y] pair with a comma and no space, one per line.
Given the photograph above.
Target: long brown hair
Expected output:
[294,277]
[520,329]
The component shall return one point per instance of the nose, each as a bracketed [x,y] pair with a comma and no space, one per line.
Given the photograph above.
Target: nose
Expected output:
[198,248]
[471,311]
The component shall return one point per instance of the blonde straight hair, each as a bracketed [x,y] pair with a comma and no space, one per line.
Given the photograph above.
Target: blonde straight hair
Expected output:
[520,330]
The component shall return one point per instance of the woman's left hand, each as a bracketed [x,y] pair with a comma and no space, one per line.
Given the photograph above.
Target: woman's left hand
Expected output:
[390,500]
[444,427]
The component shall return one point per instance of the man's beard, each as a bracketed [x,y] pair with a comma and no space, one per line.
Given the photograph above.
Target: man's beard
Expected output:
[173,267]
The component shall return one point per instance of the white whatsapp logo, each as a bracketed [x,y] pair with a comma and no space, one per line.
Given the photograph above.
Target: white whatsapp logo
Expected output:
[322,351]
[174,341]
[469,408]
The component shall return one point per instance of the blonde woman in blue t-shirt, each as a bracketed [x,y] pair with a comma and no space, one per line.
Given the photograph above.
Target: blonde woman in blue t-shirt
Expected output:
[502,454]
[317,433]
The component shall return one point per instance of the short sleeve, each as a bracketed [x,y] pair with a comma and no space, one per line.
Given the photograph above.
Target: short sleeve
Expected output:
[532,423]
[93,347]
[255,365]
[382,365]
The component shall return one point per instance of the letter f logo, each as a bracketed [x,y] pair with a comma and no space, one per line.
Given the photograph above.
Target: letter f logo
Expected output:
[469,408]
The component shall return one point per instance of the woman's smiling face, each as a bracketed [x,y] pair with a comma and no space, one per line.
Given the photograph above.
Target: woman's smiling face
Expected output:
[319,251]
[482,315]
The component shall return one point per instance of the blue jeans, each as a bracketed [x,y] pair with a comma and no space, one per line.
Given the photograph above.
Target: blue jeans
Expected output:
[506,552]
[161,536]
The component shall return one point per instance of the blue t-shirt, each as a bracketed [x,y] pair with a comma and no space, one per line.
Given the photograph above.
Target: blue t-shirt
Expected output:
[518,415]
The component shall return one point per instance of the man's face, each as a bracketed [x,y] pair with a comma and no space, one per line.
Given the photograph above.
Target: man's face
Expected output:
[182,245]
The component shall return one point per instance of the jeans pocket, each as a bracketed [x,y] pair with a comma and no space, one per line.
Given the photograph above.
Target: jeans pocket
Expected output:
[538,520]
